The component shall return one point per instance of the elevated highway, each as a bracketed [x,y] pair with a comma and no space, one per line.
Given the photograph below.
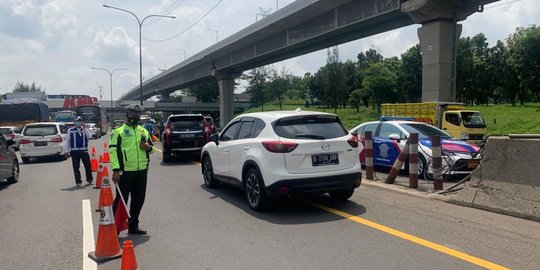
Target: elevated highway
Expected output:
[305,26]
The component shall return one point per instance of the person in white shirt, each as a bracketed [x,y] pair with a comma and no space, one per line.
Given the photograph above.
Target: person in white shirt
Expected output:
[77,147]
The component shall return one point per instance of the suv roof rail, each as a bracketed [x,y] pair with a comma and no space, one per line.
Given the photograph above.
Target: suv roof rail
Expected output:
[392,118]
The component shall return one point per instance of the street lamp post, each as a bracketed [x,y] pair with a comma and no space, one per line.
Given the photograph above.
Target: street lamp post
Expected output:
[140,41]
[110,75]
[217,35]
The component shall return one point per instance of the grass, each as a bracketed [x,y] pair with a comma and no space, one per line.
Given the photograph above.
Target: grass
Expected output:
[502,119]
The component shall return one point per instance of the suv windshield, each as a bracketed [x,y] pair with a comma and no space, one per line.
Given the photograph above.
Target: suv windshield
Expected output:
[4,131]
[425,131]
[40,130]
[186,123]
[317,127]
[473,120]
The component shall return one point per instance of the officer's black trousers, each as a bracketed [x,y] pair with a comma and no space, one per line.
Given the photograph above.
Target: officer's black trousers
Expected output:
[133,183]
[76,157]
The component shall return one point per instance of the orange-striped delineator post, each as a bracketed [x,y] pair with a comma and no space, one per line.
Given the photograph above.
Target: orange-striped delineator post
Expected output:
[413,160]
[398,164]
[368,140]
[437,162]
[94,161]
[107,246]
[99,176]
[106,157]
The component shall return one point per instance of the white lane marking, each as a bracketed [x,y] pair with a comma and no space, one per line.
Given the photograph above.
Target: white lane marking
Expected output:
[88,236]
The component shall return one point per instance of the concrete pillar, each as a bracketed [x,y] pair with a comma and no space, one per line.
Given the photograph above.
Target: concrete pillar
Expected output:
[226,95]
[437,42]
[438,35]
[226,101]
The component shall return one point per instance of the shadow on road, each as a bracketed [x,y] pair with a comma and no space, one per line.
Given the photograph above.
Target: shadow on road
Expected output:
[44,160]
[73,188]
[289,211]
[187,159]
[4,185]
[136,239]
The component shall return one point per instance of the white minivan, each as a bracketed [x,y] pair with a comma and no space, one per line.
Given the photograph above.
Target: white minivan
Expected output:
[46,139]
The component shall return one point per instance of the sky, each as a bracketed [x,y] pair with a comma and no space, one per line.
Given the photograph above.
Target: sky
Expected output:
[55,43]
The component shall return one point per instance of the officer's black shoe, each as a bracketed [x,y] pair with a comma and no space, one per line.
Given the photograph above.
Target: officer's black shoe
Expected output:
[136,231]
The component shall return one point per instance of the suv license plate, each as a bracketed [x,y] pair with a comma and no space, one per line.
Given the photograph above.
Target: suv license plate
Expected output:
[40,143]
[324,159]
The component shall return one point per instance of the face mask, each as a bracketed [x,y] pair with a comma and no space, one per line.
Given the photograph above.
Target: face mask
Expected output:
[133,120]
[78,124]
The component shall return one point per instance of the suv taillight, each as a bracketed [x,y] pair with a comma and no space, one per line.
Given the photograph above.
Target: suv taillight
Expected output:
[353,141]
[10,136]
[279,147]
[25,141]
[56,139]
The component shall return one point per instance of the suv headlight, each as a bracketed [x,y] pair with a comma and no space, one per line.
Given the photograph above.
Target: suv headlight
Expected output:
[464,136]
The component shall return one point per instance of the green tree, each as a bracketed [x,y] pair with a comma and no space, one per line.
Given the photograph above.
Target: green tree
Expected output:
[22,87]
[257,85]
[411,71]
[336,79]
[207,92]
[524,58]
[381,82]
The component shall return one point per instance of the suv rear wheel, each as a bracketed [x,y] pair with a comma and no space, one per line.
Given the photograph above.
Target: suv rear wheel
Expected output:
[15,178]
[254,190]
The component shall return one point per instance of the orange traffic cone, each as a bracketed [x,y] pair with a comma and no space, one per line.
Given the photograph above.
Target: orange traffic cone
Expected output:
[107,247]
[129,262]
[94,161]
[99,176]
[106,158]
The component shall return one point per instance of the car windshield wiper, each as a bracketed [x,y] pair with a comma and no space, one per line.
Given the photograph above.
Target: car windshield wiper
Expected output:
[319,137]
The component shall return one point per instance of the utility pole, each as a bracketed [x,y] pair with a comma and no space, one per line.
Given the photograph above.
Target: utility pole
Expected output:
[100,95]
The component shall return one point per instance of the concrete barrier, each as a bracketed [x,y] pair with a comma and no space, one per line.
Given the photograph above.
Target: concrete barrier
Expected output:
[508,179]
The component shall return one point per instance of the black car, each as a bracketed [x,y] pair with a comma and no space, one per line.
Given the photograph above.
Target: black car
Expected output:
[184,133]
[9,164]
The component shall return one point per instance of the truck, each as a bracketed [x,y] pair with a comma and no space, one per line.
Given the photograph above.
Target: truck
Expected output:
[454,118]
[21,111]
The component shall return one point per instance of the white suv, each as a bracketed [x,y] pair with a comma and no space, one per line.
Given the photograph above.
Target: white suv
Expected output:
[281,153]
[43,140]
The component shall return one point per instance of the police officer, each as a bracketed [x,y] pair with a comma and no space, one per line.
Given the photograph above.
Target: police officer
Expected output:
[77,147]
[130,148]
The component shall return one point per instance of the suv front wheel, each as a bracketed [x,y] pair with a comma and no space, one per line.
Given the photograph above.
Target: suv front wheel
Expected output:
[208,173]
[254,190]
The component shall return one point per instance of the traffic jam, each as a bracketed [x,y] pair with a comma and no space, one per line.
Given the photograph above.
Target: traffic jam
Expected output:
[275,153]
[267,156]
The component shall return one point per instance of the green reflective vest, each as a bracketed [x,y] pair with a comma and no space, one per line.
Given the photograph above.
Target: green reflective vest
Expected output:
[124,151]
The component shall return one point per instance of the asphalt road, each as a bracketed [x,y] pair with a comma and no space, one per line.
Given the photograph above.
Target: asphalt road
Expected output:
[192,227]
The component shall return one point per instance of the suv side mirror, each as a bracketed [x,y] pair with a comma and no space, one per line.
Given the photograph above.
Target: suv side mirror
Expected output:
[215,138]
[394,136]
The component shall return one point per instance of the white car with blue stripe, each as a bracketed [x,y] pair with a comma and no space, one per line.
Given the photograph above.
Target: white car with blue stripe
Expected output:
[389,137]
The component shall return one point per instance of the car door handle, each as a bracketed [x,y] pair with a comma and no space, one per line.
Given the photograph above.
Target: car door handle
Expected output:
[226,150]
[246,148]
[445,129]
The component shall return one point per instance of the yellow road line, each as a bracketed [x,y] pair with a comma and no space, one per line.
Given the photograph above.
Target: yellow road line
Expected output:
[412,238]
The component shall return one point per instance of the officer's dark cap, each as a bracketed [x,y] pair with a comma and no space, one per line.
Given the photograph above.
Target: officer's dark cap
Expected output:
[134,108]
